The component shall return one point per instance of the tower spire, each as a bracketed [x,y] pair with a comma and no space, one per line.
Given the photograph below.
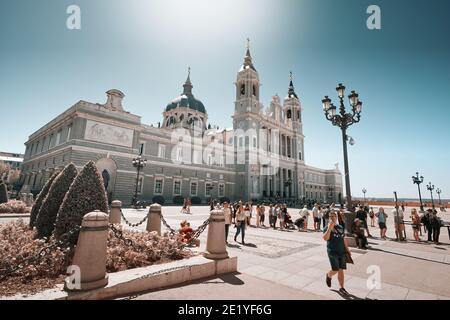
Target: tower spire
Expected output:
[248,57]
[187,86]
[291,90]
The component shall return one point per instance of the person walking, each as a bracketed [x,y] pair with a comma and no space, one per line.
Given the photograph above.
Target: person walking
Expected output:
[262,215]
[372,217]
[415,223]
[399,223]
[426,220]
[337,251]
[258,216]
[271,214]
[326,216]
[382,217]
[227,213]
[241,219]
[436,226]
[315,212]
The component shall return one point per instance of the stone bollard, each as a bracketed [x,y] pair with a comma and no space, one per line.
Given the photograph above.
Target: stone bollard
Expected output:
[154,218]
[215,243]
[115,216]
[90,254]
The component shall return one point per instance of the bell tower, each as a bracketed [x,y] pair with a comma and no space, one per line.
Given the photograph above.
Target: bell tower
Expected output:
[247,86]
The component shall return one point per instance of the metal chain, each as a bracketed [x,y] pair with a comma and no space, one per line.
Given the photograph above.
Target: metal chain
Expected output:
[171,230]
[64,239]
[128,242]
[133,224]
[151,274]
[197,233]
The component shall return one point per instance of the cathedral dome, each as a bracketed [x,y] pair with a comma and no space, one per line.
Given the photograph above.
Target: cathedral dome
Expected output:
[187,99]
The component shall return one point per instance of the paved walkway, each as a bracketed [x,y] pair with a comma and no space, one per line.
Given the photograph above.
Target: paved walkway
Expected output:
[278,264]
[292,265]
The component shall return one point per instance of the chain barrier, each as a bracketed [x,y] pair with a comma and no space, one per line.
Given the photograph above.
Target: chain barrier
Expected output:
[133,224]
[151,274]
[64,239]
[128,242]
[197,233]
[171,230]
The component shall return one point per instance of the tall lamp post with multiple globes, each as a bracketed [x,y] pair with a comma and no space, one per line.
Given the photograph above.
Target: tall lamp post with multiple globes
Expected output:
[438,191]
[343,120]
[139,163]
[418,180]
[430,187]
[364,192]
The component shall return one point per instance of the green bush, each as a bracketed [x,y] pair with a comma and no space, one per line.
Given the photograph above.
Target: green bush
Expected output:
[45,220]
[179,200]
[3,193]
[196,200]
[158,199]
[86,194]
[40,199]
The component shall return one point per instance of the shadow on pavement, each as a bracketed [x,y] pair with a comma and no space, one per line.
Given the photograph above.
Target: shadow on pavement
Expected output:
[349,296]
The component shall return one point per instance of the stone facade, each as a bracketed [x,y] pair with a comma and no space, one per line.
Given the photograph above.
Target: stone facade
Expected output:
[262,156]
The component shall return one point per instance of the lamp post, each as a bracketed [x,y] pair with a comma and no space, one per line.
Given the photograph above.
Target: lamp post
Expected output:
[438,191]
[139,163]
[430,187]
[418,180]
[343,120]
[364,192]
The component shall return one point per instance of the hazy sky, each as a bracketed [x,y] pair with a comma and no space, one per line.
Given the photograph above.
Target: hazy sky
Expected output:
[402,72]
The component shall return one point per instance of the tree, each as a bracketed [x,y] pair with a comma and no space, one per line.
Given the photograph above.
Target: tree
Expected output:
[86,194]
[45,221]
[3,192]
[40,199]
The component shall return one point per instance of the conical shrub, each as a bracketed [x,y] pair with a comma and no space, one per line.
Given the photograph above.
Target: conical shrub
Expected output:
[45,221]
[40,199]
[86,194]
[3,193]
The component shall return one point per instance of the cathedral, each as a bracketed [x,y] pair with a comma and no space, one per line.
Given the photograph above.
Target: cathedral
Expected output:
[261,156]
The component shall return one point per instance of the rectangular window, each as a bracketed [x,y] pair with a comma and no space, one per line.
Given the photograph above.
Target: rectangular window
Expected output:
[177,187]
[162,151]
[194,188]
[221,190]
[69,131]
[58,138]
[179,154]
[208,189]
[37,147]
[159,186]
[141,148]
[241,142]
[254,143]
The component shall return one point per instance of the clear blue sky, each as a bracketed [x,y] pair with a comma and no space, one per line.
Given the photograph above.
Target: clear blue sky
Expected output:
[402,72]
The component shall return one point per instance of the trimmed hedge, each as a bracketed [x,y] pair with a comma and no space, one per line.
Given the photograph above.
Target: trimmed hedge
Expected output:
[45,220]
[196,200]
[179,200]
[40,199]
[86,194]
[158,199]
[3,193]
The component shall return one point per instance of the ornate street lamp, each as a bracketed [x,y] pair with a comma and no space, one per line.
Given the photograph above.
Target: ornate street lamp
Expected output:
[418,180]
[438,191]
[139,163]
[431,188]
[364,192]
[343,120]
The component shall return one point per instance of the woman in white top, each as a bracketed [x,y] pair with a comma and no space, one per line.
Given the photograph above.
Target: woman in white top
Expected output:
[305,214]
[227,213]
[241,220]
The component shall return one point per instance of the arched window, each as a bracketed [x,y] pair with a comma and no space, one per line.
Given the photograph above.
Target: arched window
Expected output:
[289,114]
[242,89]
